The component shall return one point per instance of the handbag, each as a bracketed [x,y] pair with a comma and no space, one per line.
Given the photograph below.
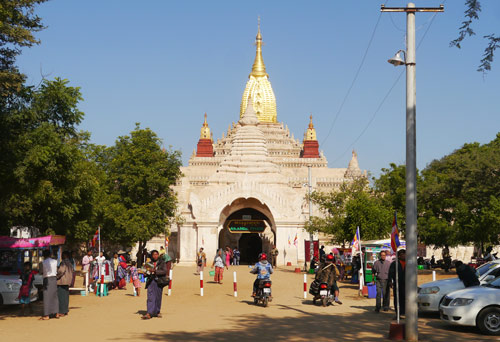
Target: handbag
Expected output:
[162,281]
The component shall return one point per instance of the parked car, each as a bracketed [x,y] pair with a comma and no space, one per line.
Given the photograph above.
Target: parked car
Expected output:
[474,306]
[9,290]
[430,295]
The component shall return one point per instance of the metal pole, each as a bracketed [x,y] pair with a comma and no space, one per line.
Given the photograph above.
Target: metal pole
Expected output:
[411,309]
[311,236]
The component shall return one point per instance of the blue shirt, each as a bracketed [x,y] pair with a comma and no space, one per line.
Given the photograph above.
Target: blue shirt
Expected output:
[263,270]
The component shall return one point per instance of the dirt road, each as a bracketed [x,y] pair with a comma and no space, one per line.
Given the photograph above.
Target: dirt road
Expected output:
[219,316]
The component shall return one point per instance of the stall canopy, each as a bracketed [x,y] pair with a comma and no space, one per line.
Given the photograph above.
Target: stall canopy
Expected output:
[383,244]
[39,242]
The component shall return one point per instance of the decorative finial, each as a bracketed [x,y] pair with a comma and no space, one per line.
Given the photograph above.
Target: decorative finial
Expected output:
[205,130]
[311,132]
[258,68]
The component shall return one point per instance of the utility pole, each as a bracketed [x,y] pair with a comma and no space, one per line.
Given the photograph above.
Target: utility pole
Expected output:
[411,310]
[311,236]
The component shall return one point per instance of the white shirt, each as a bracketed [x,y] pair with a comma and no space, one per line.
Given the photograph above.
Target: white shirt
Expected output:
[100,259]
[49,268]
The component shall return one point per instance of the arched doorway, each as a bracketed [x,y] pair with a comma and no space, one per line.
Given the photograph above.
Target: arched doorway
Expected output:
[247,228]
[250,246]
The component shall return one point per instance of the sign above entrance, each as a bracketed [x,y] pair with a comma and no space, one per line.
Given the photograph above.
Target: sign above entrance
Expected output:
[246,226]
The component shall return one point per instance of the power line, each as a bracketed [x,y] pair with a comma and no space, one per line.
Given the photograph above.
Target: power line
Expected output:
[355,78]
[385,97]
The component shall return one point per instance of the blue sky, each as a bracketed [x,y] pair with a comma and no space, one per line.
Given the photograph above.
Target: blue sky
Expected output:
[165,63]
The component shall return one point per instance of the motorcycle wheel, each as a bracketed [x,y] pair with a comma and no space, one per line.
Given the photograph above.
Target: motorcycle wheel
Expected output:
[324,301]
[265,302]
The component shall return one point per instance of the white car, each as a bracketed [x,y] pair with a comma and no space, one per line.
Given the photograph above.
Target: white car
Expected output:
[431,294]
[474,306]
[9,290]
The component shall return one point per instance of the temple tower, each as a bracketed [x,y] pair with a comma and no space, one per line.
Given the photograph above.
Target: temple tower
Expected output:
[205,147]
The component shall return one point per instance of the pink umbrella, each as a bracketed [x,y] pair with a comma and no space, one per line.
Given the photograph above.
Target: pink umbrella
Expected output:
[335,250]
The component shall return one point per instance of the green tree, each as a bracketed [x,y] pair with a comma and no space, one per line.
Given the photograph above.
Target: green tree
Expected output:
[139,175]
[18,23]
[460,196]
[48,180]
[353,205]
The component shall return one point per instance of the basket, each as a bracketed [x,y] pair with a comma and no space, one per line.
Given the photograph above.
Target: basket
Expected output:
[211,273]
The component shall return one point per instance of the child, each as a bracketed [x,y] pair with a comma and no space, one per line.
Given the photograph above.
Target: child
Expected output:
[27,278]
[135,278]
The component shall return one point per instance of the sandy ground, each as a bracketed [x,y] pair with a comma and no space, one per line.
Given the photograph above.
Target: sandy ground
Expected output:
[219,316]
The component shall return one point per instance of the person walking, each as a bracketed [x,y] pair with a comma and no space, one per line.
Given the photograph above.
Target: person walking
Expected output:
[157,280]
[219,264]
[381,272]
[201,261]
[399,286]
[236,256]
[64,279]
[134,274]
[49,272]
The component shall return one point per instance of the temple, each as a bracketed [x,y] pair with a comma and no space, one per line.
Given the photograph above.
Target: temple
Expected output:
[248,188]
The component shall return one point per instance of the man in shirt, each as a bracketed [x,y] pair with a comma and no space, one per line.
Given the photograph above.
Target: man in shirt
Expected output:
[399,285]
[381,272]
[50,300]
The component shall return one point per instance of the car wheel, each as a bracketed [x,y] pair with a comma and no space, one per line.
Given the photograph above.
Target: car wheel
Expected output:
[488,321]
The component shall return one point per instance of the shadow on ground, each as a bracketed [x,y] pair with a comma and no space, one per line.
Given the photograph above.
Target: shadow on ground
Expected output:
[311,327]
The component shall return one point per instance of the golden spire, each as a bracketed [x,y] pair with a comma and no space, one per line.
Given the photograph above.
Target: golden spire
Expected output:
[258,68]
[205,130]
[311,132]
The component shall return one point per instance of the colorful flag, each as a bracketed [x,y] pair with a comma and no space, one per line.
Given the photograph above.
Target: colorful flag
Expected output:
[395,234]
[95,238]
[296,240]
[355,242]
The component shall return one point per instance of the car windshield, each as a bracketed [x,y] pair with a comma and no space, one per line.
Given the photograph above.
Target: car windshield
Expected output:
[481,270]
[494,283]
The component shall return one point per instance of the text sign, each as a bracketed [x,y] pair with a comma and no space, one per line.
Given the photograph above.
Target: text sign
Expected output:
[246,226]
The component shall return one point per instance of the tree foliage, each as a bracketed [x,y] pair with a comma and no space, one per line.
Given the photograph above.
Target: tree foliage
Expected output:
[354,205]
[473,8]
[48,178]
[139,200]
[18,23]
[460,196]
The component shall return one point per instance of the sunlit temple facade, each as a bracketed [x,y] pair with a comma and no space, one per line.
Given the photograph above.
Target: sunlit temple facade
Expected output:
[247,189]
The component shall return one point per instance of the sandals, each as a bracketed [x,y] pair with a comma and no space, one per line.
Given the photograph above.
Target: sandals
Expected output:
[146,316]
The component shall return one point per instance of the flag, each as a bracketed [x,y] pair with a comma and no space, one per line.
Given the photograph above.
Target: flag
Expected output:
[355,241]
[95,238]
[295,241]
[395,234]
[166,241]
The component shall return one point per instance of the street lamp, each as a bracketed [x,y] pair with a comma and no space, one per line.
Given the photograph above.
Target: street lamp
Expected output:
[411,311]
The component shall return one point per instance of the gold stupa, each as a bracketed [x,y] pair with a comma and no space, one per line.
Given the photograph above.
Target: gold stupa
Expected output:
[311,131]
[259,88]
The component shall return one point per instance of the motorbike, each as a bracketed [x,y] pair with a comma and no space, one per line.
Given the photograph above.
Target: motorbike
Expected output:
[322,294]
[263,294]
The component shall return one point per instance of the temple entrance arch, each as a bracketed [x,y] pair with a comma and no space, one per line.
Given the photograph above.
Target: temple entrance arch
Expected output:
[248,225]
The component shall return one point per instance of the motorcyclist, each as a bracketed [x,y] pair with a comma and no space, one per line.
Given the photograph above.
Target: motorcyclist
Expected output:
[263,269]
[328,273]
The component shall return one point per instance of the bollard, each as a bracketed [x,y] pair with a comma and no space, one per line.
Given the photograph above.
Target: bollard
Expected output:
[201,283]
[86,283]
[170,283]
[433,275]
[305,286]
[235,285]
[102,285]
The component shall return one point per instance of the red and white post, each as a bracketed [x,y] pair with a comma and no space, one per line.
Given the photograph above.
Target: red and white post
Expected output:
[305,286]
[170,273]
[235,285]
[201,283]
